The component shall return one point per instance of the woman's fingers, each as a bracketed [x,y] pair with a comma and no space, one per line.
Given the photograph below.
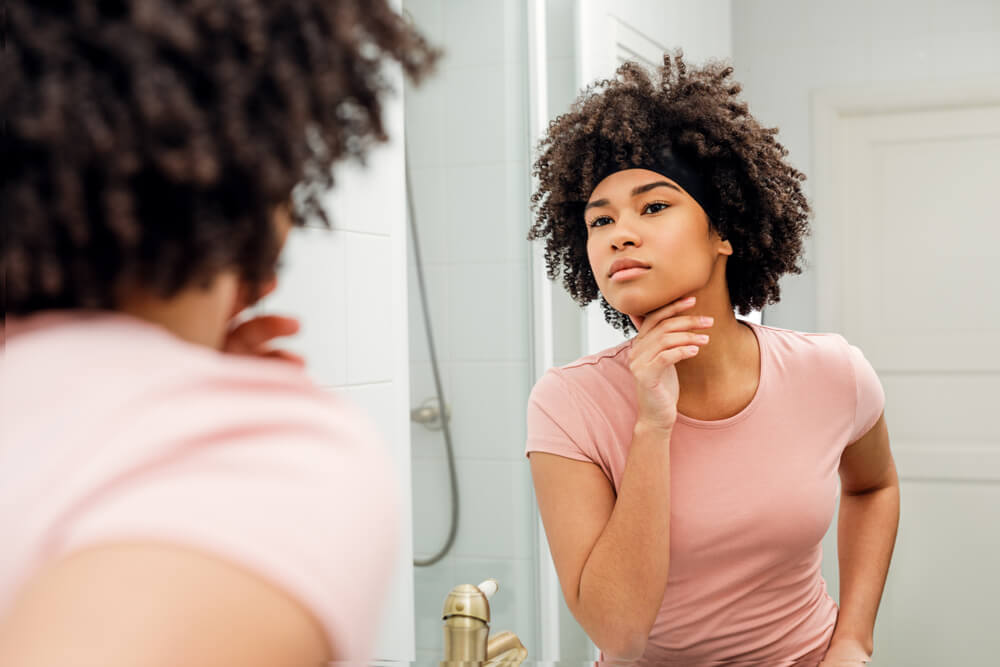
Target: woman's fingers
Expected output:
[673,355]
[250,336]
[669,341]
[651,319]
[681,323]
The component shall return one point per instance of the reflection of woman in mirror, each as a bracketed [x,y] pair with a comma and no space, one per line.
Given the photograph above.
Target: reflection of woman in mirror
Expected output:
[175,492]
[686,477]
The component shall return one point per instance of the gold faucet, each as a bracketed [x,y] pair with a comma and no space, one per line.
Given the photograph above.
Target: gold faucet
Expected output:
[467,642]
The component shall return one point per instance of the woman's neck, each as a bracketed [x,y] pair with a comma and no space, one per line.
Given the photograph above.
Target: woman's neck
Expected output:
[196,314]
[723,377]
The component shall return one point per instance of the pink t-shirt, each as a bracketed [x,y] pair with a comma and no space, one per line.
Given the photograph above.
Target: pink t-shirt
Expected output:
[751,495]
[114,429]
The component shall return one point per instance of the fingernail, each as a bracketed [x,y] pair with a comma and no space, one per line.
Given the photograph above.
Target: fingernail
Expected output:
[690,299]
[707,321]
[701,338]
[693,350]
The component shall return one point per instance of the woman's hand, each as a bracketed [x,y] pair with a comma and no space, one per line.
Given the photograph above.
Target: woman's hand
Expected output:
[252,337]
[663,339]
[845,652]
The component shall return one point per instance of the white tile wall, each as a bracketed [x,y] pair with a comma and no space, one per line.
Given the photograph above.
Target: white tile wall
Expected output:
[427,443]
[430,201]
[495,500]
[311,288]
[425,122]
[370,270]
[468,154]
[489,311]
[436,278]
[489,405]
[485,112]
[473,32]
[485,212]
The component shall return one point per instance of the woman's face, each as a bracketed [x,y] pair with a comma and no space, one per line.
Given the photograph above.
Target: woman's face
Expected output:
[642,219]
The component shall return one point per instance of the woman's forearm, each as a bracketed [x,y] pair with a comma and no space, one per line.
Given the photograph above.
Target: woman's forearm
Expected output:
[866,535]
[623,581]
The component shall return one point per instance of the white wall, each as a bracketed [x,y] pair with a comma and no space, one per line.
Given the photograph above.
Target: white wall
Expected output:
[348,287]
[784,49]
[467,133]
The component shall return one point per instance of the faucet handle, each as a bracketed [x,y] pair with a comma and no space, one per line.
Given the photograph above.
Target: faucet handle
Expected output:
[505,649]
[489,587]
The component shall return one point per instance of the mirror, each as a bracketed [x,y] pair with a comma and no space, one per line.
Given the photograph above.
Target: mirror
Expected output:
[912,88]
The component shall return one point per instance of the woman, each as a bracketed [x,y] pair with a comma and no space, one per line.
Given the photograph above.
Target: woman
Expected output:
[686,477]
[163,502]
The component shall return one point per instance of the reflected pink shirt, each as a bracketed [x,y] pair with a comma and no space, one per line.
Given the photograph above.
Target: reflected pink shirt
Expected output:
[751,495]
[114,429]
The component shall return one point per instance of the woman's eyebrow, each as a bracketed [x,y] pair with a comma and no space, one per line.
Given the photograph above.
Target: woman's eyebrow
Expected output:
[649,186]
[636,191]
[595,203]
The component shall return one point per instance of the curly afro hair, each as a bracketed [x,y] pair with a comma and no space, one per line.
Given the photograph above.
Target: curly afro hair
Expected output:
[754,197]
[149,142]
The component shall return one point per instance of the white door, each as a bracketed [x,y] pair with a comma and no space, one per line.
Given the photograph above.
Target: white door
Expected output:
[908,261]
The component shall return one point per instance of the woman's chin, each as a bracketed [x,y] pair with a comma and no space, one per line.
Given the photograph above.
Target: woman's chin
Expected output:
[637,307]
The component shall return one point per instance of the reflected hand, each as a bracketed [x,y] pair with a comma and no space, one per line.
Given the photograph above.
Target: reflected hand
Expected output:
[844,652]
[664,337]
[251,338]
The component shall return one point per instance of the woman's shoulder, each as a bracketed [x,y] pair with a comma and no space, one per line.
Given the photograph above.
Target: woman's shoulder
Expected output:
[795,341]
[110,378]
[806,353]
[587,374]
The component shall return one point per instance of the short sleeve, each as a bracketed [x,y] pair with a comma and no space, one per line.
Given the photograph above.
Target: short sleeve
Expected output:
[554,422]
[868,392]
[293,489]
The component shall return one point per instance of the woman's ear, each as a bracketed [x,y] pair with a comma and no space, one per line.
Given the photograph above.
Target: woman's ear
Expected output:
[725,247]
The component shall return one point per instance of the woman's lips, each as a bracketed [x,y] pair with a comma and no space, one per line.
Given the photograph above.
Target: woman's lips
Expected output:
[628,274]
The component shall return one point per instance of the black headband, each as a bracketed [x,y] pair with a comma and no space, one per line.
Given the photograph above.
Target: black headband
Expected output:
[676,169]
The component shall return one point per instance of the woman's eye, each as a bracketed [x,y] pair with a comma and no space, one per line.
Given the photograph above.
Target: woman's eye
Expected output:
[600,222]
[660,206]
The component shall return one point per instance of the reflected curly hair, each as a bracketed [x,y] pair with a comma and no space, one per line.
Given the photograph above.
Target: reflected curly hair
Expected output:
[149,142]
[754,197]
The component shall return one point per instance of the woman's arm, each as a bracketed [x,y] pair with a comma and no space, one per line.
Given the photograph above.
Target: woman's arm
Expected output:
[612,555]
[866,534]
[151,604]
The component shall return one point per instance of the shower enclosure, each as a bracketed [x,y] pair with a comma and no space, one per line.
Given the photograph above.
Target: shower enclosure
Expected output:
[469,171]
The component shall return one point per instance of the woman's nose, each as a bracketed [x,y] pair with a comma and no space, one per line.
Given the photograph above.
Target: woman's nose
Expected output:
[625,234]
